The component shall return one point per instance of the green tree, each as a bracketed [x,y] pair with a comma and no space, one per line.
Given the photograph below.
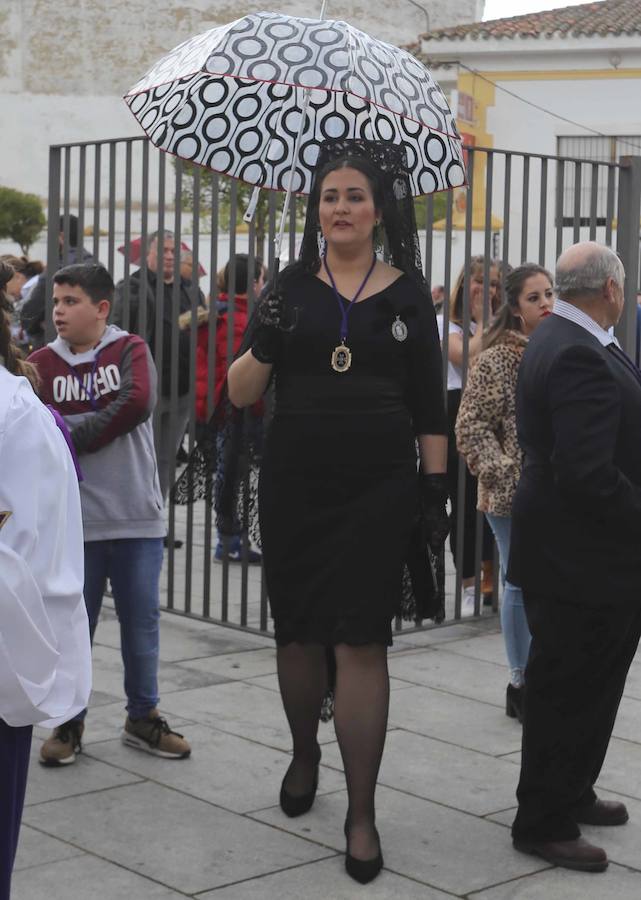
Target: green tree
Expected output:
[439,205]
[201,181]
[21,217]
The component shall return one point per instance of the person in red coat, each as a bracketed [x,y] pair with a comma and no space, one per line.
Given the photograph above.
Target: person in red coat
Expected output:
[222,359]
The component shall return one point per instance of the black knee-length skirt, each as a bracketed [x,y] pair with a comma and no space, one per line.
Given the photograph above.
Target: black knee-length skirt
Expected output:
[337,499]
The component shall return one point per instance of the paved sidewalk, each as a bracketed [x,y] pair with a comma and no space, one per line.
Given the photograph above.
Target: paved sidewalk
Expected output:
[122,824]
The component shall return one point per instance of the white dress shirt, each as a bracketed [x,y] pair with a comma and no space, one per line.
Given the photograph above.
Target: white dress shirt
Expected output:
[576,315]
[45,654]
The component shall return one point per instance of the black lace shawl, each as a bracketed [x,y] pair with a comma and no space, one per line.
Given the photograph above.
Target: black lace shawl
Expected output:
[224,467]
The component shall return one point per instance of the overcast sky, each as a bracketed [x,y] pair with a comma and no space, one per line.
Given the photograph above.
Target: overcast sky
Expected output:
[498,9]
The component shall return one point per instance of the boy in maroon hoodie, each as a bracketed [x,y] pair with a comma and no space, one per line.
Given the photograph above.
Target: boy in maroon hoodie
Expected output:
[102,380]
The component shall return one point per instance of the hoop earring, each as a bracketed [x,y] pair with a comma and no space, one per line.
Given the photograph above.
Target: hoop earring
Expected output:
[322,243]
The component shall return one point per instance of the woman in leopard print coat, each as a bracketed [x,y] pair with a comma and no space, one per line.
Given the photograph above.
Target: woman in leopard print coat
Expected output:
[486,437]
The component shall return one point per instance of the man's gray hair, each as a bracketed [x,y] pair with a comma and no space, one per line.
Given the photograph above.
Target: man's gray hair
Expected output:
[164,235]
[587,277]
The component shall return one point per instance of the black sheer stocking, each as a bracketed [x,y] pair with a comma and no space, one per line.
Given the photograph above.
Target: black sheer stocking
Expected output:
[360,716]
[302,676]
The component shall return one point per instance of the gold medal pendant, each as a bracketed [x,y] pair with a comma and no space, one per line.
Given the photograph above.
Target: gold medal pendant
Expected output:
[341,358]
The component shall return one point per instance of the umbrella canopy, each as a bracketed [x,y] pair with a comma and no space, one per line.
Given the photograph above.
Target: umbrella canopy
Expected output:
[254,99]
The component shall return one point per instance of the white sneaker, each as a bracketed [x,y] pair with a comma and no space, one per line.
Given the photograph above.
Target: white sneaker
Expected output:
[467,602]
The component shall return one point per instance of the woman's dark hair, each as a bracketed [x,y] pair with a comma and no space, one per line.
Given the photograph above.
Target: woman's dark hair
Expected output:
[242,267]
[73,229]
[33,267]
[384,166]
[11,355]
[477,264]
[508,318]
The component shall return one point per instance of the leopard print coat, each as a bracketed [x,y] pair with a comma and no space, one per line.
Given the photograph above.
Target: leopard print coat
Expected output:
[486,424]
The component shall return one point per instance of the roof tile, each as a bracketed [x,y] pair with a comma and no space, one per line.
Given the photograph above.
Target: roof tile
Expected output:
[607,17]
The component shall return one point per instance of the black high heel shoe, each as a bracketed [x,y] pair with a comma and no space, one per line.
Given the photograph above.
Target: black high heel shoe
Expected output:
[362,870]
[296,806]
[514,702]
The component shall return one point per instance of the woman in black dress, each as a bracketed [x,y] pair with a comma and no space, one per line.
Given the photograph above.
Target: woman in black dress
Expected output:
[354,349]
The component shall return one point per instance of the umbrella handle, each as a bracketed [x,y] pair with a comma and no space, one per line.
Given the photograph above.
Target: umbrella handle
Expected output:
[251,206]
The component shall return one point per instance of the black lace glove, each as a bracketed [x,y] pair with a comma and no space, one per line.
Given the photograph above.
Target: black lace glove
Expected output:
[433,492]
[268,337]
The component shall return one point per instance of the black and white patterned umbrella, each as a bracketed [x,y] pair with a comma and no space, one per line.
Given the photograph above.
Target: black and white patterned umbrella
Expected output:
[254,99]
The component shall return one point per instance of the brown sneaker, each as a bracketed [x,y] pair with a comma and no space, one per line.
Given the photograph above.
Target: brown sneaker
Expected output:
[62,747]
[154,735]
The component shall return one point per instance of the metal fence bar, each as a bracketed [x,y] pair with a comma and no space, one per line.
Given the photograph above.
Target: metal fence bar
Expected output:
[82,176]
[242,602]
[193,340]
[609,216]
[576,218]
[112,206]
[525,208]
[594,197]
[543,211]
[97,200]
[126,310]
[628,247]
[507,189]
[53,234]
[560,197]
[462,470]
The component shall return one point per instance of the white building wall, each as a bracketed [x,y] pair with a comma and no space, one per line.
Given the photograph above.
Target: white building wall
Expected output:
[64,66]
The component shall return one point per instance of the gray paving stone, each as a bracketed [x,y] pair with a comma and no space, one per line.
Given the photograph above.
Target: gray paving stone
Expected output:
[109,675]
[238,666]
[84,776]
[230,771]
[322,881]
[477,679]
[489,647]
[628,721]
[565,885]
[447,849]
[621,771]
[241,709]
[185,843]
[459,778]
[443,634]
[37,849]
[84,877]
[457,720]
[270,683]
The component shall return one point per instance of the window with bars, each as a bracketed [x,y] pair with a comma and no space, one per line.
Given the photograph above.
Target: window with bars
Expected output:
[584,191]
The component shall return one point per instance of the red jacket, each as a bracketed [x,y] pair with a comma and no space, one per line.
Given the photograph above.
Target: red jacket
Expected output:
[221,361]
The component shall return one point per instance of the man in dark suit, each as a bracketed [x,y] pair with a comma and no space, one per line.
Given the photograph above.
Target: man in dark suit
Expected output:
[576,552]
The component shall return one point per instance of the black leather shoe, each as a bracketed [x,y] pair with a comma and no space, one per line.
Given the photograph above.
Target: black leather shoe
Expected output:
[362,870]
[577,854]
[602,812]
[294,806]
[514,702]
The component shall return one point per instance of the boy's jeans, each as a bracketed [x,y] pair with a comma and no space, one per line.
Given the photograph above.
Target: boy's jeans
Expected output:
[133,567]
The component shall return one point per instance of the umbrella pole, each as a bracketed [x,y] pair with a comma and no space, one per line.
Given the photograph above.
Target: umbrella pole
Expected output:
[278,240]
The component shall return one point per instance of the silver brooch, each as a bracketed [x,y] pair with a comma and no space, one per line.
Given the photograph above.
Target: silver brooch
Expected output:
[399,329]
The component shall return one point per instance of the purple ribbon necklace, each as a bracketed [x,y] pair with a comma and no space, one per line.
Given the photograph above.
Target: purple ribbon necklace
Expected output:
[342,356]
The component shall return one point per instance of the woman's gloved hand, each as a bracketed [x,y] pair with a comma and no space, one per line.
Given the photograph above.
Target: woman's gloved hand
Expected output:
[433,493]
[268,337]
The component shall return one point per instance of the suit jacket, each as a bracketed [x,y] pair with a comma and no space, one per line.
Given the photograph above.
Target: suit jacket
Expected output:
[576,517]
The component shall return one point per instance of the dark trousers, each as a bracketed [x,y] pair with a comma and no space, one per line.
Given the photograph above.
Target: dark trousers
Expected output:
[578,663]
[468,558]
[15,744]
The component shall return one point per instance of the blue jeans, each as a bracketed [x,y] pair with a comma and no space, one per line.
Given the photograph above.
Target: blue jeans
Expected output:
[516,633]
[133,567]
